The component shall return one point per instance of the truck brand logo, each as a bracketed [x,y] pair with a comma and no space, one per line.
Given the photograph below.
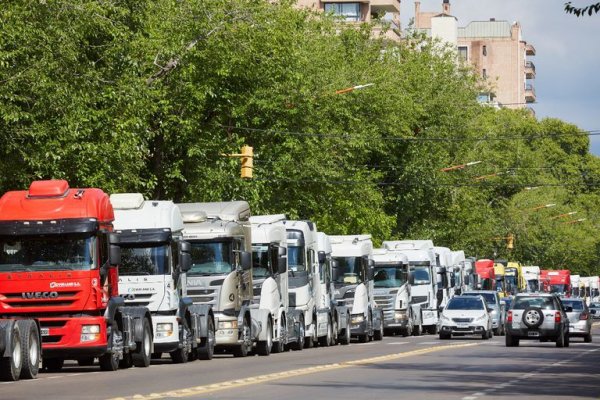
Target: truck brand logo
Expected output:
[64,285]
[39,295]
[128,296]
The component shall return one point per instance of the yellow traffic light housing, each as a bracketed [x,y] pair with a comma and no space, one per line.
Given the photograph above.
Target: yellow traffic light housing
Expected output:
[247,157]
[510,241]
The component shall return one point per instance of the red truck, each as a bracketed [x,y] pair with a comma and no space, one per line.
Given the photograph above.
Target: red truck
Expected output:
[556,281]
[58,272]
[487,277]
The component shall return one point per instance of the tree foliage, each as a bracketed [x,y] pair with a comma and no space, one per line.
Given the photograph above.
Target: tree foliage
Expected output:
[147,96]
[590,9]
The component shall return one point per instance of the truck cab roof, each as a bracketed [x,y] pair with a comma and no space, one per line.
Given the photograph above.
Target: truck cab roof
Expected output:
[351,245]
[132,211]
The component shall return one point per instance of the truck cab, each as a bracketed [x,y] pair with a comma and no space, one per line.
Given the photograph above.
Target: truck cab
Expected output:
[424,291]
[531,276]
[445,275]
[513,278]
[221,272]
[271,284]
[393,291]
[353,280]
[485,271]
[154,262]
[557,281]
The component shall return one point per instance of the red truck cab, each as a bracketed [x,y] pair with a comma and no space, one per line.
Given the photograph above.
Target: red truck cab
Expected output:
[487,277]
[556,281]
[56,267]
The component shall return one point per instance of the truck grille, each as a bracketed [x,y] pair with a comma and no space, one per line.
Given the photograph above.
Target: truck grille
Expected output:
[203,296]
[16,300]
[385,301]
[142,300]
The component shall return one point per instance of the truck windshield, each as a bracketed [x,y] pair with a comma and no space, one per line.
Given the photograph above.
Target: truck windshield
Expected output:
[144,260]
[260,261]
[533,285]
[511,284]
[349,270]
[211,258]
[421,276]
[390,275]
[47,253]
[296,258]
[558,289]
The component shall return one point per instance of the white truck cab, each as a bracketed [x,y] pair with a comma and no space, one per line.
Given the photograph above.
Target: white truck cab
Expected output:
[154,262]
[353,280]
[531,273]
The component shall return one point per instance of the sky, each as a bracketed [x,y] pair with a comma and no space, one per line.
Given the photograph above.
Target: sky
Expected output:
[567,60]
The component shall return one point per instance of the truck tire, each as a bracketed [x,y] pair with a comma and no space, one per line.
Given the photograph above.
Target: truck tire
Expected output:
[310,341]
[126,362]
[345,339]
[279,344]
[10,367]
[299,344]
[207,351]
[378,334]
[141,358]
[334,329]
[181,355]
[30,344]
[110,361]
[325,341]
[53,364]
[417,330]
[242,349]
[263,347]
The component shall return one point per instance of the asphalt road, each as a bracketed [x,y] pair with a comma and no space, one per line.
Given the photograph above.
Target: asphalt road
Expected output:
[413,368]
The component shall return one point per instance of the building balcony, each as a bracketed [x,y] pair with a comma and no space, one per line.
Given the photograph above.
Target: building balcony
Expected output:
[529,94]
[529,70]
[383,6]
[529,50]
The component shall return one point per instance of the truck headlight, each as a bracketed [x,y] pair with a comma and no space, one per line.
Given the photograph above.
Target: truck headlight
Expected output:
[400,315]
[357,318]
[228,325]
[164,329]
[90,333]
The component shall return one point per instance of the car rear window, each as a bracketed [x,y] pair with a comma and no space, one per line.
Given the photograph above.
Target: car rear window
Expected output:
[577,305]
[544,303]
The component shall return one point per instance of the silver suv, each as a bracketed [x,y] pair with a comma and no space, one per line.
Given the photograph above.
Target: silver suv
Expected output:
[497,308]
[537,316]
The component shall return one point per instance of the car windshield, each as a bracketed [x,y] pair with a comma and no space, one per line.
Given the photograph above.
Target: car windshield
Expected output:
[577,305]
[595,305]
[421,275]
[558,288]
[211,258]
[390,275]
[296,258]
[490,298]
[465,303]
[147,260]
[522,303]
[47,253]
[260,261]
[349,270]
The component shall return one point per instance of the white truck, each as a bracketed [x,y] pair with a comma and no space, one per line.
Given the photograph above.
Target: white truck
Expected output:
[353,279]
[393,292]
[531,273]
[422,267]
[302,263]
[445,272]
[333,320]
[576,285]
[271,287]
[221,273]
[154,261]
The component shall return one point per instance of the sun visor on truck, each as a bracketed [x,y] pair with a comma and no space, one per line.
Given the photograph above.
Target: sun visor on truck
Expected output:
[144,236]
[48,227]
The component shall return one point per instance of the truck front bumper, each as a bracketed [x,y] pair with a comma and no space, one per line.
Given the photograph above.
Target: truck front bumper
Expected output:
[166,333]
[72,337]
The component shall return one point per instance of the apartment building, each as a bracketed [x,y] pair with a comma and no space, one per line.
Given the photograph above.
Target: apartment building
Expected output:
[357,11]
[496,50]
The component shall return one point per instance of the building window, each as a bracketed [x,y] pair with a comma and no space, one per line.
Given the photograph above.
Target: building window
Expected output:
[349,11]
[484,73]
[484,50]
[462,53]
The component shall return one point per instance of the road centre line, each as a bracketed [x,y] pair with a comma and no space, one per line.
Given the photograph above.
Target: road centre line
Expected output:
[208,388]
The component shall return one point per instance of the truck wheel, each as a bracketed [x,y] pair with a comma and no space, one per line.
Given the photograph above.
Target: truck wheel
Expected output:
[30,342]
[110,361]
[299,345]
[264,346]
[309,341]
[334,337]
[126,362]
[86,362]
[181,355]
[363,338]
[417,330]
[378,334]
[53,364]
[10,367]
[206,352]
[279,344]
[242,349]
[325,341]
[142,357]
[345,340]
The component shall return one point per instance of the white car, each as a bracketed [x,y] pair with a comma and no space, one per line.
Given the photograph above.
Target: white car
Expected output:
[466,315]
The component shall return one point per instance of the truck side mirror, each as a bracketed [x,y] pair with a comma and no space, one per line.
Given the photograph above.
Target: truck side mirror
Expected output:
[185,261]
[282,251]
[114,251]
[411,278]
[184,246]
[370,272]
[322,257]
[246,259]
[334,269]
[282,265]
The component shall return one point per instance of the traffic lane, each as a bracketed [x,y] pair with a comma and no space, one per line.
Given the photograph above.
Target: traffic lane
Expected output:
[162,375]
[489,370]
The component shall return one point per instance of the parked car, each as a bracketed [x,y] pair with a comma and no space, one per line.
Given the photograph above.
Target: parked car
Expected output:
[537,316]
[498,312]
[580,320]
[595,310]
[466,315]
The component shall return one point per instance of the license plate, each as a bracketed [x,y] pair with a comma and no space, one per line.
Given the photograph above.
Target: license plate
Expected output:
[533,334]
[463,325]
[45,331]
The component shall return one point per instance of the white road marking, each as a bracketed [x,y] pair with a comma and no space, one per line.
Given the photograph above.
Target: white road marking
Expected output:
[397,343]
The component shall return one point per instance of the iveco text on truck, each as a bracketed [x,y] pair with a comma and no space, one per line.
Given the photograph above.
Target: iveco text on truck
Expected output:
[154,262]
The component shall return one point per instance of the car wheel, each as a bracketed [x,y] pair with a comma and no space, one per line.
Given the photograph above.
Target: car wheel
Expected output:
[588,338]
[567,340]
[485,335]
[444,336]
[533,317]
[560,340]
[511,341]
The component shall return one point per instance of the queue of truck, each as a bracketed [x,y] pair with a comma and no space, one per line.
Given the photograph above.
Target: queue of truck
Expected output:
[119,280]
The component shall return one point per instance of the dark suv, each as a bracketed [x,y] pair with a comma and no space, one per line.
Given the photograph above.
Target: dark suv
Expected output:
[537,316]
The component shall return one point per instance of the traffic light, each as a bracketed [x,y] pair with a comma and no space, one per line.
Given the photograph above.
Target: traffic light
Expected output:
[247,162]
[510,241]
